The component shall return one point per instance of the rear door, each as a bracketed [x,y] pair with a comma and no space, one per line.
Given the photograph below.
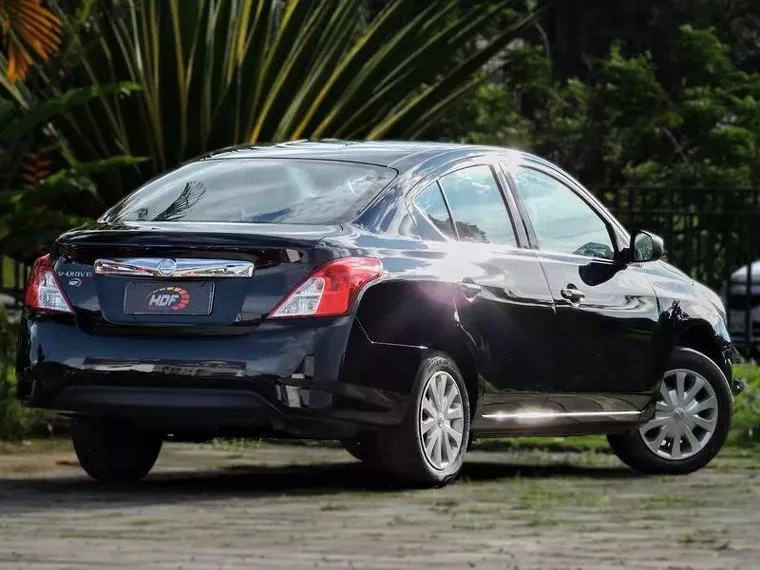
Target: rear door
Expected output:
[502,299]
[607,314]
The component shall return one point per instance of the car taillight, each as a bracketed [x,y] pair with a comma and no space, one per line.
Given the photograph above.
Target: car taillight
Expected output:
[44,290]
[331,289]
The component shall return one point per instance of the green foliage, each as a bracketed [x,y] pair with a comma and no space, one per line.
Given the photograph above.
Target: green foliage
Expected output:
[38,213]
[7,339]
[8,268]
[24,127]
[215,74]
[168,81]
[746,427]
[713,121]
[622,122]
[49,109]
[35,204]
[15,420]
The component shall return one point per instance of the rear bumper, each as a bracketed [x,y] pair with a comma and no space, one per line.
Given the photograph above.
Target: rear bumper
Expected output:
[306,378]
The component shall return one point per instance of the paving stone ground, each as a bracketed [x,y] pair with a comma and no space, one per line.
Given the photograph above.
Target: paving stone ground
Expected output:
[293,507]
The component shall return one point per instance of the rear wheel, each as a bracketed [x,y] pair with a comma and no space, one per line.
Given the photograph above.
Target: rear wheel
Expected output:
[691,420]
[112,451]
[429,445]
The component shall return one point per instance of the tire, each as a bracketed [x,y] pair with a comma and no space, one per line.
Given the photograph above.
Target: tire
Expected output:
[401,449]
[111,451]
[632,448]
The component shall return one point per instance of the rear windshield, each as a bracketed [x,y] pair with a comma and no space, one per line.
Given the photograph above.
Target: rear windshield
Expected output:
[256,190]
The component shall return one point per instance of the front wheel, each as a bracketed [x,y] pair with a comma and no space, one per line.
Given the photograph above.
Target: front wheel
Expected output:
[113,451]
[429,445]
[691,420]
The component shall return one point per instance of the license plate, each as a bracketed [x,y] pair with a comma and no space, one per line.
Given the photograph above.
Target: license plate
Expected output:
[180,299]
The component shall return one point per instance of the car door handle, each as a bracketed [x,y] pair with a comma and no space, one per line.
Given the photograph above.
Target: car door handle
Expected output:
[470,289]
[572,294]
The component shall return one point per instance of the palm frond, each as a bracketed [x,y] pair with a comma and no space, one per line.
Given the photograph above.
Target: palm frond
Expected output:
[27,28]
[60,105]
[213,74]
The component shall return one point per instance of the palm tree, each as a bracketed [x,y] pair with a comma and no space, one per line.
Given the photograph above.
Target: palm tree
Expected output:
[206,74]
[220,73]
[27,28]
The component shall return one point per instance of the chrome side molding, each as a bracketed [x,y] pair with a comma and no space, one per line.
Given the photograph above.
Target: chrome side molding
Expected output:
[180,268]
[549,415]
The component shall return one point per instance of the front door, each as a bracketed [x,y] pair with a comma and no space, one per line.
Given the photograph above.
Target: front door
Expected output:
[607,314]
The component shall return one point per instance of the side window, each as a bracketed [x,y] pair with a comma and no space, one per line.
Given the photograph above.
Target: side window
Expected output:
[477,206]
[434,213]
[562,220]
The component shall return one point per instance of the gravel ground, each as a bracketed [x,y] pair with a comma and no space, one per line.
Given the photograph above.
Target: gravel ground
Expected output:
[266,506]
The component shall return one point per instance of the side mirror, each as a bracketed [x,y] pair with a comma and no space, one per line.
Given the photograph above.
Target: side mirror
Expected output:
[645,246]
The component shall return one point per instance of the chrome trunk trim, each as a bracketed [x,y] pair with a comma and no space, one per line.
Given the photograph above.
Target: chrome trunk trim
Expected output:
[179,268]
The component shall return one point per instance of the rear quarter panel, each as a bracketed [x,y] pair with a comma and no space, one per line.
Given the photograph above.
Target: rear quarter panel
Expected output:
[409,310]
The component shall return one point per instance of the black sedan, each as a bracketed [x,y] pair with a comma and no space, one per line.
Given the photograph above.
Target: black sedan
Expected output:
[400,297]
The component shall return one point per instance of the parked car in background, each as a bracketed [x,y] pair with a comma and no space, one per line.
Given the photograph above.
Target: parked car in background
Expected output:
[400,297]
[742,299]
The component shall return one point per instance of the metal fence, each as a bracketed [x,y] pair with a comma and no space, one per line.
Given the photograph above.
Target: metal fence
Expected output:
[709,233]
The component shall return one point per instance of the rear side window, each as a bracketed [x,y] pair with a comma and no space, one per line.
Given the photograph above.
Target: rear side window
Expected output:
[435,220]
[477,206]
[256,190]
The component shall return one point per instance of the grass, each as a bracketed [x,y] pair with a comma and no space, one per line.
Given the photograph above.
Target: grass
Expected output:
[705,539]
[746,426]
[670,502]
[334,507]
[593,443]
[16,421]
[143,522]
[445,504]
[540,522]
[238,444]
[483,510]
[473,526]
[400,520]
[22,468]
[46,445]
[534,495]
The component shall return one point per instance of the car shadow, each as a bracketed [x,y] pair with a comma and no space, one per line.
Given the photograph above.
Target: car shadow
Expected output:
[243,481]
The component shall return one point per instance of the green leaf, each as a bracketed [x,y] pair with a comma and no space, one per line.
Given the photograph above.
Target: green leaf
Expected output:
[90,169]
[421,111]
[216,74]
[60,105]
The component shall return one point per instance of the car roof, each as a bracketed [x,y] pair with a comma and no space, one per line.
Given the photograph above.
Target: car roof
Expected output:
[401,155]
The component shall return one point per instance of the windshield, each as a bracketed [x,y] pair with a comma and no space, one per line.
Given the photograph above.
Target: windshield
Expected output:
[256,190]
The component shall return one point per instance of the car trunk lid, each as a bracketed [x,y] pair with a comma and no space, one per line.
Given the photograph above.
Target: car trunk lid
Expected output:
[196,278]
